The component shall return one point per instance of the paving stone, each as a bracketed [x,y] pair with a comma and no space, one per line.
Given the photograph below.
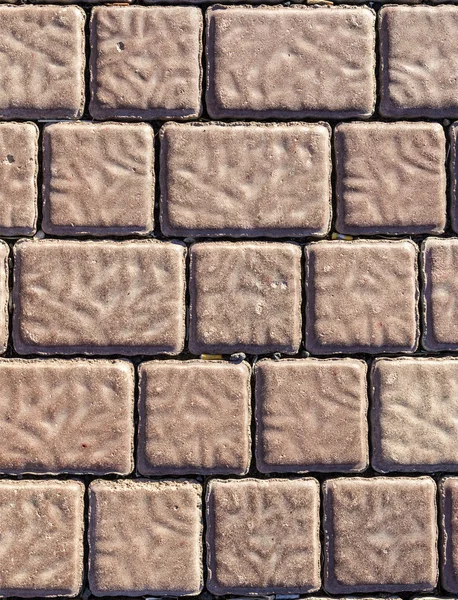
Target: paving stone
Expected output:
[41,538]
[448,494]
[311,415]
[263,536]
[391,178]
[381,535]
[362,296]
[4,296]
[145,538]
[417,79]
[98,178]
[245,297]
[146,62]
[73,297]
[281,188]
[194,418]
[42,62]
[453,171]
[287,62]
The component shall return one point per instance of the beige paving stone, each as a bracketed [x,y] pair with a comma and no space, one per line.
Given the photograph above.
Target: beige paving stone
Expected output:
[98,178]
[282,187]
[245,296]
[448,494]
[287,62]
[311,415]
[417,79]
[145,538]
[41,538]
[100,297]
[381,535]
[194,418]
[391,178]
[4,295]
[41,62]
[362,296]
[146,62]
[263,536]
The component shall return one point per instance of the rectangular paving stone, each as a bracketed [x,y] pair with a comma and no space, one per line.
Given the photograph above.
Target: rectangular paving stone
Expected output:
[287,62]
[391,178]
[41,538]
[66,416]
[448,494]
[282,187]
[73,297]
[381,535]
[42,62]
[263,536]
[311,415]
[362,296]
[194,418]
[453,172]
[4,295]
[145,538]
[98,178]
[245,297]
[146,62]
[417,79]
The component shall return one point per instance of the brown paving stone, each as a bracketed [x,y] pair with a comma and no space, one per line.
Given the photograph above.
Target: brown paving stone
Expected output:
[418,78]
[362,296]
[145,62]
[245,296]
[145,538]
[41,538]
[99,297]
[448,493]
[98,178]
[41,62]
[66,416]
[4,296]
[311,415]
[281,187]
[287,62]
[391,178]
[263,536]
[381,535]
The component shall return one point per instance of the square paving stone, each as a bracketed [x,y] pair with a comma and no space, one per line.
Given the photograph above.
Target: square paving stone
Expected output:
[18,178]
[194,417]
[391,178]
[145,538]
[146,62]
[362,296]
[418,79]
[41,538]
[41,62]
[281,188]
[98,178]
[66,416]
[287,62]
[263,536]
[245,297]
[448,493]
[311,415]
[100,297]
[381,535]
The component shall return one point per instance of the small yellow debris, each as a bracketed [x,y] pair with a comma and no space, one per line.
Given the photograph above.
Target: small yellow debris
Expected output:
[211,356]
[341,236]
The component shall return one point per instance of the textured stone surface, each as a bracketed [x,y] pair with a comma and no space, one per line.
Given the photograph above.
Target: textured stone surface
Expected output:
[417,79]
[281,187]
[311,415]
[263,536]
[448,492]
[145,62]
[41,62]
[288,62]
[66,416]
[4,296]
[381,535]
[105,297]
[98,178]
[194,418]
[453,171]
[41,538]
[145,538]
[361,296]
[391,178]
[245,296]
